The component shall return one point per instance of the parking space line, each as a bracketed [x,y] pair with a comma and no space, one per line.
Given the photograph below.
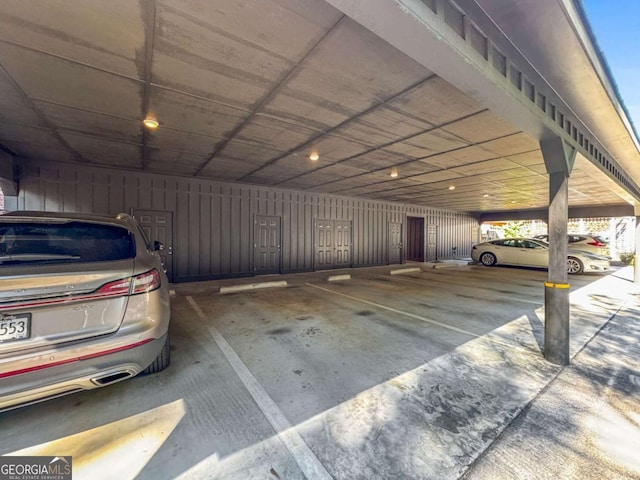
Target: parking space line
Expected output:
[399,312]
[539,303]
[305,458]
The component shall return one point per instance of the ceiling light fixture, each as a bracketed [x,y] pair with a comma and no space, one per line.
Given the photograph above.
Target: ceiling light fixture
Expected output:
[486,195]
[394,172]
[452,187]
[314,156]
[151,123]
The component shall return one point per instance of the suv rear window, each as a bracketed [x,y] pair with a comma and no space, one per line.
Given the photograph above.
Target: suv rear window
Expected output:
[37,242]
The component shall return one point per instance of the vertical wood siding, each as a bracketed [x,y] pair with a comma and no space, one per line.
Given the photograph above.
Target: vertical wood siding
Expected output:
[213,221]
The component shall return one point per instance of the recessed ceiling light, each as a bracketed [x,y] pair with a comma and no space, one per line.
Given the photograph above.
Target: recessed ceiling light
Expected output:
[452,187]
[314,156]
[486,195]
[513,201]
[394,172]
[151,123]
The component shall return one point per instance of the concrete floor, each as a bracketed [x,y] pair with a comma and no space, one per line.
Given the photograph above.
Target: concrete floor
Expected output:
[378,376]
[586,424]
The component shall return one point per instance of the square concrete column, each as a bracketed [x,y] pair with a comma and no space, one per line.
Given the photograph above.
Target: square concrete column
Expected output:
[636,253]
[556,289]
[8,183]
[558,159]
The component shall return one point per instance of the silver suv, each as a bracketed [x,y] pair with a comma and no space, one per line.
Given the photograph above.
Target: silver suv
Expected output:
[586,243]
[84,303]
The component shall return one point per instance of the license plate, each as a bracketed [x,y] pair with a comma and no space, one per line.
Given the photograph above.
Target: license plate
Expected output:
[14,327]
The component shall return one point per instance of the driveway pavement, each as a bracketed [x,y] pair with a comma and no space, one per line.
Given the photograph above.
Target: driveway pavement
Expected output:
[436,373]
[586,423]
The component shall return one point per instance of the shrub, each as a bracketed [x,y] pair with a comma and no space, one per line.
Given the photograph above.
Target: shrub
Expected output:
[627,258]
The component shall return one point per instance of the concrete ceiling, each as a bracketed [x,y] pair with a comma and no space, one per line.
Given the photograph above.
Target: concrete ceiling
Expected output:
[245,90]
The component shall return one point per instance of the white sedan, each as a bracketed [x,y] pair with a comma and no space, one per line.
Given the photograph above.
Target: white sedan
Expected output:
[530,252]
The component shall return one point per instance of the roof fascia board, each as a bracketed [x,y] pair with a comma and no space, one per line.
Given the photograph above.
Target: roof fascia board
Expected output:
[598,211]
[580,23]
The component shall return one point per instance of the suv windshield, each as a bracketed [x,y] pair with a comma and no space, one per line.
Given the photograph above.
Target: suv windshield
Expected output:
[36,242]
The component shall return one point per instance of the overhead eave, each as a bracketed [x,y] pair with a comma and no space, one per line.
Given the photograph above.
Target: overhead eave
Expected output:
[555,36]
[540,71]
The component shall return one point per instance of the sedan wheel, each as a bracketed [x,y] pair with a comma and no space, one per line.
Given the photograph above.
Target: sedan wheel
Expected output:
[574,265]
[162,360]
[488,259]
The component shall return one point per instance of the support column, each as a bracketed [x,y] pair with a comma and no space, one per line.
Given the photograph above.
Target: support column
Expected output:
[613,239]
[7,175]
[556,288]
[636,252]
[558,159]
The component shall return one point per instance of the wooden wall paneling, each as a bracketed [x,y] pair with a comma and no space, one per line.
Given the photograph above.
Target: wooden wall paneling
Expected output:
[237,243]
[307,229]
[69,183]
[130,193]
[215,233]
[289,238]
[213,221]
[181,231]
[100,192]
[52,196]
[225,232]
[158,194]
[205,224]
[170,197]
[246,227]
[116,194]
[192,236]
[144,193]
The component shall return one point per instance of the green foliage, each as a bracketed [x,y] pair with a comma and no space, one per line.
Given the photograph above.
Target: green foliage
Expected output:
[514,229]
[627,258]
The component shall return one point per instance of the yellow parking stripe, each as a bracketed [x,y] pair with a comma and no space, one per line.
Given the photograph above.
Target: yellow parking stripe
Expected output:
[556,285]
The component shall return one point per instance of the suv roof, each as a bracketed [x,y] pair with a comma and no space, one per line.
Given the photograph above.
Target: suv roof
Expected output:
[120,219]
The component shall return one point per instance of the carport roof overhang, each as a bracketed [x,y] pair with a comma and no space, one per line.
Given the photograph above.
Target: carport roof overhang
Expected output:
[449,94]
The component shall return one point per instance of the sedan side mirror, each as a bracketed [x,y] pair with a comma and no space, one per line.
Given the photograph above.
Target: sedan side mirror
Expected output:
[158,245]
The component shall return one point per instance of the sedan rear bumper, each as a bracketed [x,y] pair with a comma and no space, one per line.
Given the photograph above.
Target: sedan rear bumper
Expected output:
[106,365]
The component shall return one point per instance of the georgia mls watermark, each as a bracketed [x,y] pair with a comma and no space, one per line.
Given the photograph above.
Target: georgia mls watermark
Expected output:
[35,468]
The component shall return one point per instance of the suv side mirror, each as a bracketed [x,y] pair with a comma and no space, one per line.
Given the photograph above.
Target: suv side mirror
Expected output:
[158,245]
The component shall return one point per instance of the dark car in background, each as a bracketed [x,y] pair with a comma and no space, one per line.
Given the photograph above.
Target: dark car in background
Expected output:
[84,303]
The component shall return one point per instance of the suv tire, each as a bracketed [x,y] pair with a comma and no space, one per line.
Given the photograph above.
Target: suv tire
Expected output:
[162,361]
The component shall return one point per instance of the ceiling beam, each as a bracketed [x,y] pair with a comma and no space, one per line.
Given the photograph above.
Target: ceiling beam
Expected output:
[266,99]
[596,211]
[44,121]
[150,31]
